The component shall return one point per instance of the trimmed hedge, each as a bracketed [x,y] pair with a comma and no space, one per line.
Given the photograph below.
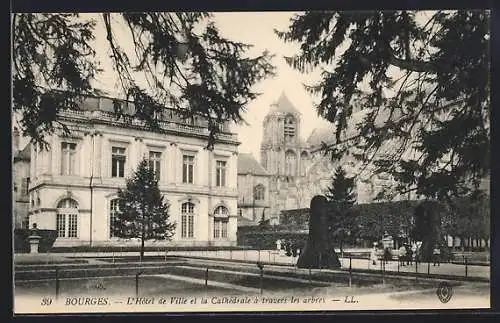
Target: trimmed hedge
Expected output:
[22,245]
[266,239]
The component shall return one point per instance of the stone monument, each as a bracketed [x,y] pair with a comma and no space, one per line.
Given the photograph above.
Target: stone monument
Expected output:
[34,239]
[318,252]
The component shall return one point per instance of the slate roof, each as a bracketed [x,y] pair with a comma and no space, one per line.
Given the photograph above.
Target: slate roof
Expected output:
[283,105]
[319,135]
[327,133]
[247,164]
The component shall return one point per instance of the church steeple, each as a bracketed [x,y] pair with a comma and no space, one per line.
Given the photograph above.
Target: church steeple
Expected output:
[283,105]
[282,124]
[281,142]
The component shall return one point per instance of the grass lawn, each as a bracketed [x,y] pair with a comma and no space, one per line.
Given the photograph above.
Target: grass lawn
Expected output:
[44,258]
[116,286]
[159,286]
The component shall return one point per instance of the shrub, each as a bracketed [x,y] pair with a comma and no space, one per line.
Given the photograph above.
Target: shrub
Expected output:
[266,239]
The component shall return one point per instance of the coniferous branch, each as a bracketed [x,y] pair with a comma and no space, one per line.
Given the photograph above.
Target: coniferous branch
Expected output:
[444,67]
[203,73]
[142,211]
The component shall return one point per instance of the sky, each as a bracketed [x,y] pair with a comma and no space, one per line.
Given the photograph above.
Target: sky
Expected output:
[257,29]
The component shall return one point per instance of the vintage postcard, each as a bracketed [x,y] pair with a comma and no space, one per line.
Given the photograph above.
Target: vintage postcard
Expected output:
[250,161]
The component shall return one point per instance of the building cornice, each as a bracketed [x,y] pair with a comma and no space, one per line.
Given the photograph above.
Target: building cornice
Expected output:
[110,184]
[167,127]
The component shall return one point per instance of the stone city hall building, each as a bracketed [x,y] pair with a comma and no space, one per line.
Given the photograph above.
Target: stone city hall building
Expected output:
[72,187]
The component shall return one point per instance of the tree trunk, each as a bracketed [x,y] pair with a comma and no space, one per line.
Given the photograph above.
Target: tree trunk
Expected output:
[142,247]
[142,235]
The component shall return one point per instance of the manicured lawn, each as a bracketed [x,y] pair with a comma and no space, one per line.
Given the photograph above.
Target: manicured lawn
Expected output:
[44,258]
[115,286]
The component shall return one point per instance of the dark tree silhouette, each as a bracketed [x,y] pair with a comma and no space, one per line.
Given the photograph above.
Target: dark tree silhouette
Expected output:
[422,82]
[188,66]
[342,189]
[318,251]
[341,196]
[142,212]
[428,229]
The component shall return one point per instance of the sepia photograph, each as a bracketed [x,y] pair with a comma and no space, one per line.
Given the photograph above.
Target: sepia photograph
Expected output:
[264,161]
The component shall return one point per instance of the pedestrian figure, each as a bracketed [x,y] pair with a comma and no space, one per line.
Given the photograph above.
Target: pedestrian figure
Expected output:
[293,246]
[409,254]
[415,252]
[436,255]
[373,254]
[402,255]
[288,248]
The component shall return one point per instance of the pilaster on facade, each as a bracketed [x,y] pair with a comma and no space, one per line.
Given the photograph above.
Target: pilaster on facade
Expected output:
[97,154]
[173,162]
[136,153]
[93,186]
[87,154]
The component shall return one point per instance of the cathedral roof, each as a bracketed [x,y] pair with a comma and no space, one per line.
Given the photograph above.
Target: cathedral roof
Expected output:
[283,105]
[24,154]
[326,133]
[320,135]
[247,164]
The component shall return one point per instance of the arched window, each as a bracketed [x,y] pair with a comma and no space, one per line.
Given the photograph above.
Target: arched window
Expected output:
[290,163]
[113,209]
[187,220]
[289,129]
[259,192]
[221,219]
[67,219]
[304,160]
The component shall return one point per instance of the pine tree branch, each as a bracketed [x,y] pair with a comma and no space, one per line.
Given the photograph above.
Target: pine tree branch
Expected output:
[118,60]
[412,64]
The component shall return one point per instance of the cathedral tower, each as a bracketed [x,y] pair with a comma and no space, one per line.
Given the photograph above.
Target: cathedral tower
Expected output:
[283,154]
[281,146]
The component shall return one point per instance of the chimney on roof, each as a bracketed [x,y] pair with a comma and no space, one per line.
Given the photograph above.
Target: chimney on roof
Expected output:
[15,140]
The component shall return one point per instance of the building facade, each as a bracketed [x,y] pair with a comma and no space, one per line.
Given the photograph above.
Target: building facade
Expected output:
[299,169]
[74,184]
[20,181]
[253,192]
